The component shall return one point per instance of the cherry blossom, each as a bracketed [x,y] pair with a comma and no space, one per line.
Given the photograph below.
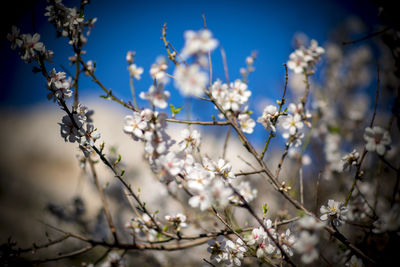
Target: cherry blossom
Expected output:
[135,71]
[157,96]
[335,212]
[268,117]
[200,42]
[378,140]
[190,81]
[306,246]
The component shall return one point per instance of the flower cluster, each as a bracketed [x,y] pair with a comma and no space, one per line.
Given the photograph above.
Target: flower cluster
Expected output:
[149,127]
[208,181]
[190,79]
[143,227]
[28,46]
[69,22]
[263,243]
[227,251]
[303,59]
[306,244]
[293,122]
[178,221]
[233,100]
[72,129]
[157,70]
[350,159]
[269,118]
[59,86]
[157,96]
[198,43]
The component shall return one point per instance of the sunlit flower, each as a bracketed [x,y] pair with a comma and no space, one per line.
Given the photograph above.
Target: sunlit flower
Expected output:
[135,71]
[190,80]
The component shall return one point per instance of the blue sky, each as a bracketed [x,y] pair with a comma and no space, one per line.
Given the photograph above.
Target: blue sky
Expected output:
[240,26]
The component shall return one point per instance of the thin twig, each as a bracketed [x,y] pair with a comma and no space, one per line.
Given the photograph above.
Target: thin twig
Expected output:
[103,201]
[228,134]
[367,36]
[220,123]
[301,186]
[224,62]
[281,103]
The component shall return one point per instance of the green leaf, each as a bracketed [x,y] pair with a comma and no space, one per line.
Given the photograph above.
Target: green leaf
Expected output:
[301,213]
[175,110]
[122,172]
[334,129]
[165,228]
[118,159]
[265,209]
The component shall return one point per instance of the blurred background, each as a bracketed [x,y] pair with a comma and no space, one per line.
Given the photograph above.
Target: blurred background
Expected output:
[40,174]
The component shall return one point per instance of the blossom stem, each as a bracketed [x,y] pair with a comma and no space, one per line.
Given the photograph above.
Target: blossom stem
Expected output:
[76,79]
[108,92]
[103,200]
[281,103]
[133,92]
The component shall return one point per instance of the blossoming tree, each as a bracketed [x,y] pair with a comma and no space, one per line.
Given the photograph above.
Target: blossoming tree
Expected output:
[214,186]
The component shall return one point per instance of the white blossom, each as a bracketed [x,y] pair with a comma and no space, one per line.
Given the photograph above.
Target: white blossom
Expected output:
[304,59]
[217,248]
[235,251]
[354,262]
[292,123]
[246,123]
[135,71]
[350,159]
[246,191]
[157,70]
[157,96]
[190,80]
[14,37]
[202,200]
[310,223]
[378,140]
[198,43]
[135,125]
[191,140]
[306,246]
[269,114]
[388,221]
[335,211]
[69,129]
[58,85]
[171,163]
[178,221]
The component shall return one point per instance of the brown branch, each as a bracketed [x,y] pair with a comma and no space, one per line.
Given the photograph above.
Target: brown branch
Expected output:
[66,255]
[107,91]
[103,200]
[199,122]
[281,103]
[223,55]
[166,44]
[228,134]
